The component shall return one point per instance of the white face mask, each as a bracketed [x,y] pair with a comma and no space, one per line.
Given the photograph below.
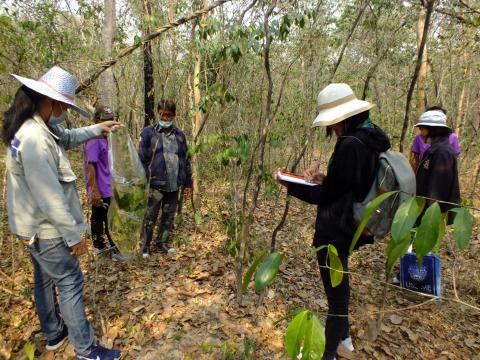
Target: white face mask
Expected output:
[55,120]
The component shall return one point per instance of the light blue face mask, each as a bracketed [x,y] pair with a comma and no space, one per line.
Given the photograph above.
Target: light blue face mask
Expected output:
[164,124]
[55,120]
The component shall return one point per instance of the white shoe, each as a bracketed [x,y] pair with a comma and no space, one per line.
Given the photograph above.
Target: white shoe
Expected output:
[145,255]
[347,344]
[345,348]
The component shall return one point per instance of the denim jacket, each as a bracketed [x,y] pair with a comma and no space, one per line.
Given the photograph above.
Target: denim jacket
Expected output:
[151,155]
[42,197]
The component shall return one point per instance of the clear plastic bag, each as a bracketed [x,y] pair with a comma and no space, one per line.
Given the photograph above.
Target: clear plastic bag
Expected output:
[129,202]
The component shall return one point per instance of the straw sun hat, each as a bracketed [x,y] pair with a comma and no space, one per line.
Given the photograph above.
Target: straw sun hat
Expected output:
[57,84]
[336,103]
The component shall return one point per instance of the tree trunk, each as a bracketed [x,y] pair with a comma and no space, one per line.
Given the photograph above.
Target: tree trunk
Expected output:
[460,120]
[197,119]
[422,74]
[411,88]
[149,90]
[196,123]
[107,80]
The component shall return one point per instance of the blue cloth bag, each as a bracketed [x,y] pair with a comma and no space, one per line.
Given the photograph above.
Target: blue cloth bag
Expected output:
[425,279]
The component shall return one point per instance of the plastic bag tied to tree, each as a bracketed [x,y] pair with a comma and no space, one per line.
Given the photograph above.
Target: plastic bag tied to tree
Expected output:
[129,203]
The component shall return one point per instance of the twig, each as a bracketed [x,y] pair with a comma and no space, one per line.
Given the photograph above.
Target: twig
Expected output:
[244,12]
[347,40]
[433,297]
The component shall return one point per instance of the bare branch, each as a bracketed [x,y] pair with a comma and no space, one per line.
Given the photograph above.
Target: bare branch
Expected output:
[347,40]
[247,9]
[127,51]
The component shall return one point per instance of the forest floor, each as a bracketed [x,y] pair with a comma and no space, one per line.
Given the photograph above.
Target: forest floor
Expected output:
[183,305]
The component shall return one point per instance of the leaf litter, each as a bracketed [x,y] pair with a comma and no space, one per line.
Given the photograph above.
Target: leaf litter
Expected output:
[183,305]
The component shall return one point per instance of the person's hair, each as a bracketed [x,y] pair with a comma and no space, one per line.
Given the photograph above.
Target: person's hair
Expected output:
[25,104]
[352,122]
[438,131]
[167,106]
[436,107]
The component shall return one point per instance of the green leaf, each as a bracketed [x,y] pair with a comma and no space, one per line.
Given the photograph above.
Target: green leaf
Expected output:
[295,334]
[462,227]
[137,40]
[251,270]
[396,250]
[198,219]
[314,251]
[427,234]
[29,350]
[268,270]
[314,343]
[372,205]
[442,230]
[404,219]
[305,331]
[336,266]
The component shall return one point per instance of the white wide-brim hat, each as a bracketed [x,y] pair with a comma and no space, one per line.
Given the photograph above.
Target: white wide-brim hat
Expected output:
[435,118]
[57,84]
[336,103]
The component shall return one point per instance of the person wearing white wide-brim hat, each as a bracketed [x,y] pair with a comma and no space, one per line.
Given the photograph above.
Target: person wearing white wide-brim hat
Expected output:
[350,174]
[434,116]
[437,172]
[44,209]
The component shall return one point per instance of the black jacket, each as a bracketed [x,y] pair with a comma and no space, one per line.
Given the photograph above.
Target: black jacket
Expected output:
[437,176]
[150,152]
[350,174]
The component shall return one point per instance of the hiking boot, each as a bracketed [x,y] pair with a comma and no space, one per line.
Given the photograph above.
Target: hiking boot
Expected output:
[162,247]
[117,257]
[98,352]
[54,344]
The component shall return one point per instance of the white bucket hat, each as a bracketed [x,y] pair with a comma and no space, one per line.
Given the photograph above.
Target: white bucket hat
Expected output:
[57,84]
[336,103]
[432,118]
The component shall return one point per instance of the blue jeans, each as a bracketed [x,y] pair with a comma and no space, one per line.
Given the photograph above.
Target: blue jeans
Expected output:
[55,268]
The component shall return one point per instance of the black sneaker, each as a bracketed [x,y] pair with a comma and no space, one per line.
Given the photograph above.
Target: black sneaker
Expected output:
[54,344]
[162,247]
[98,352]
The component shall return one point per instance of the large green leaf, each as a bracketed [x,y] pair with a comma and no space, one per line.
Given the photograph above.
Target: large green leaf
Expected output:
[404,219]
[371,207]
[305,335]
[314,343]
[295,334]
[251,270]
[29,350]
[396,249]
[268,270]
[442,230]
[462,227]
[336,266]
[428,231]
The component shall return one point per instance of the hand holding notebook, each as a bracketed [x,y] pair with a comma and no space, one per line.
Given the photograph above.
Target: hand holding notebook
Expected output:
[292,178]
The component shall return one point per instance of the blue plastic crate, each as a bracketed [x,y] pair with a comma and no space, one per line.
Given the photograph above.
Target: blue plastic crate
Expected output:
[426,279]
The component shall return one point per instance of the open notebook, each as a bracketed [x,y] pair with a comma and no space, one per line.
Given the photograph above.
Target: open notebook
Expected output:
[293,178]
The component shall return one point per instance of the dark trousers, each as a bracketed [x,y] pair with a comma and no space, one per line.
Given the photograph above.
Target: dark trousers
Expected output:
[166,201]
[336,327]
[99,224]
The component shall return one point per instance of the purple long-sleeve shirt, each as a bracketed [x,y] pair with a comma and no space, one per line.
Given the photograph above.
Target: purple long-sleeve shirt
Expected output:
[420,147]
